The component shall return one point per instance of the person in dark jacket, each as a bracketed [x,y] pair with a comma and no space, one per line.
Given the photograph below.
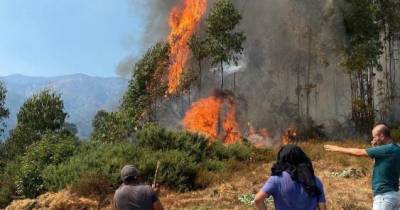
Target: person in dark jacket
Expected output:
[133,194]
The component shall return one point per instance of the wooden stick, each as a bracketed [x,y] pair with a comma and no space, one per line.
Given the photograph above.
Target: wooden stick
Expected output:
[155,174]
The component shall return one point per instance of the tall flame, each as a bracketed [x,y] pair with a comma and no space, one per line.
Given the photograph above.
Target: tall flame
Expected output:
[230,125]
[183,21]
[204,117]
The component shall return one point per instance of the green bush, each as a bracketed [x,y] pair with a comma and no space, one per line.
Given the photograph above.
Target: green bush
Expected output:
[51,149]
[160,139]
[92,157]
[242,152]
[7,184]
[111,127]
[178,169]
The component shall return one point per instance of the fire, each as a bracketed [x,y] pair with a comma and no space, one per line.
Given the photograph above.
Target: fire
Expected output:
[290,135]
[183,21]
[204,117]
[230,125]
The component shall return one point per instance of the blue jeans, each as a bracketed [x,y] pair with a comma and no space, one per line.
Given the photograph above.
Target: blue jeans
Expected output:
[387,201]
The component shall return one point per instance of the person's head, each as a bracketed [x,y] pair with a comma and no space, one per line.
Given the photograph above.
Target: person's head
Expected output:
[130,174]
[380,135]
[294,161]
[292,154]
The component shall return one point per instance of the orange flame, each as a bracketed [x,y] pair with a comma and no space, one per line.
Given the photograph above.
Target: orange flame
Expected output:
[231,127]
[183,22]
[204,117]
[290,135]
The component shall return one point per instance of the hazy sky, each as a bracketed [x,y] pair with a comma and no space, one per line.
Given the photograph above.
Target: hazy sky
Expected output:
[57,37]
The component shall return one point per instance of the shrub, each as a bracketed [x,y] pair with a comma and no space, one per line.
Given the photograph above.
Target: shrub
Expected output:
[92,157]
[237,151]
[7,184]
[110,127]
[51,149]
[156,138]
[178,169]
[92,184]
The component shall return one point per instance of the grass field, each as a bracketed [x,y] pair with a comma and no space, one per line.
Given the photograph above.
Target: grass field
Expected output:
[346,180]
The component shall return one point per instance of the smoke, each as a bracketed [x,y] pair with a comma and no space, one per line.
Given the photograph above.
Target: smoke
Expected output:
[285,40]
[155,16]
[289,43]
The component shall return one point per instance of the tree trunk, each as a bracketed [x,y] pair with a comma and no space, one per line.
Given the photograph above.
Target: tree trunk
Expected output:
[222,75]
[234,81]
[200,74]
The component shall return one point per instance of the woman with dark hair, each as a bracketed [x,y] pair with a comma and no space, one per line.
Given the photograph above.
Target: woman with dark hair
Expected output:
[292,184]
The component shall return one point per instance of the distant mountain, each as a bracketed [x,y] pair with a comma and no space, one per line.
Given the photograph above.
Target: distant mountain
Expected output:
[83,95]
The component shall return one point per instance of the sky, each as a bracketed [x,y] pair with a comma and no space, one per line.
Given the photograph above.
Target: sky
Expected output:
[59,37]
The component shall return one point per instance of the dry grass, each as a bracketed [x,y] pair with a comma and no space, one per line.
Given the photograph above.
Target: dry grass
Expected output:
[341,193]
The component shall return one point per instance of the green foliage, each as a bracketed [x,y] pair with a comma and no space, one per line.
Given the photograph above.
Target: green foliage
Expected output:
[156,138]
[224,44]
[147,82]
[178,169]
[43,112]
[4,112]
[7,183]
[91,157]
[235,151]
[183,157]
[51,149]
[362,56]
[110,127]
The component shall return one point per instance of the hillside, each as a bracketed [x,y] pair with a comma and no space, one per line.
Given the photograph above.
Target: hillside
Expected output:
[83,95]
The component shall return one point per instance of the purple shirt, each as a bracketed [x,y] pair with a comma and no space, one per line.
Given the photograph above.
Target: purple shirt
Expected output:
[289,194]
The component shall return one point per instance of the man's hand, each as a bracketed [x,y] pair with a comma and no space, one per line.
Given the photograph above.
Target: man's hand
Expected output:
[156,188]
[350,151]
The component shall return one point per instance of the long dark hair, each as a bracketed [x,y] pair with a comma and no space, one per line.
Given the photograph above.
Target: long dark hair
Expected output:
[295,162]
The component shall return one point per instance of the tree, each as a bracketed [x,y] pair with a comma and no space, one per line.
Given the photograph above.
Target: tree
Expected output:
[388,17]
[147,83]
[4,112]
[110,127]
[199,50]
[362,59]
[50,149]
[224,44]
[41,113]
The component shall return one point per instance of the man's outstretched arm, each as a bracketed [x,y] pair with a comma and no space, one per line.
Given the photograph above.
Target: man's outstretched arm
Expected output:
[350,151]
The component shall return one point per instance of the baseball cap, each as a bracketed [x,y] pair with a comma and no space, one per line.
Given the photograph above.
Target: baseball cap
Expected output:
[129,171]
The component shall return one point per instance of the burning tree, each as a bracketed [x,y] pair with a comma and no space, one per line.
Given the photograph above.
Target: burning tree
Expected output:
[214,117]
[147,83]
[224,44]
[183,22]
[199,51]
